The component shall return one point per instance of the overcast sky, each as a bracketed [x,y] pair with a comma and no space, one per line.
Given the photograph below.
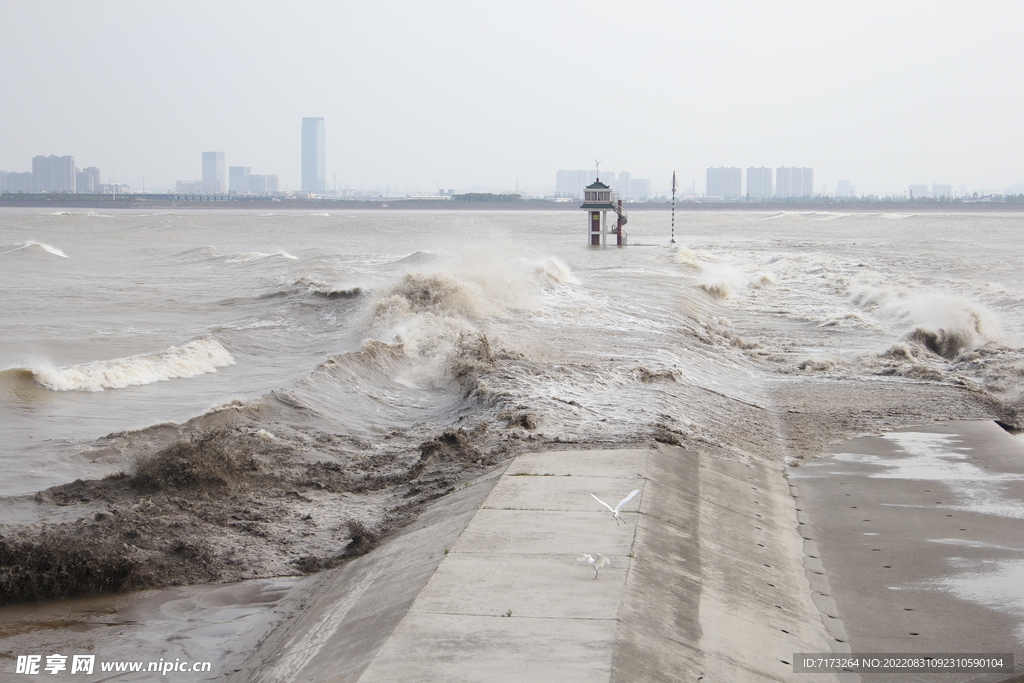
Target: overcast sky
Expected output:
[492,92]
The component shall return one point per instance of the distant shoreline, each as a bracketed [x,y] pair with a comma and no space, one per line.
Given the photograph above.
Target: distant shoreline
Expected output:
[137,202]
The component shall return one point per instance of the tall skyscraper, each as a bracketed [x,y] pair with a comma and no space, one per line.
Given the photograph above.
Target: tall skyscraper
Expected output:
[214,172]
[314,155]
[759,183]
[726,183]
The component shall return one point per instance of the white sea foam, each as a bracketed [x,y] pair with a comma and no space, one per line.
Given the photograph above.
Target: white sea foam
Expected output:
[194,358]
[32,245]
[943,323]
[247,256]
[724,280]
[435,309]
[557,271]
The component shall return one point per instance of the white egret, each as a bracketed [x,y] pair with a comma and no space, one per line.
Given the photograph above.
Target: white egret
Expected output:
[615,510]
[595,562]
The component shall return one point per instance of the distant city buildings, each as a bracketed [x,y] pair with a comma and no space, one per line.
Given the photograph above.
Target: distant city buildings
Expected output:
[724,182]
[16,182]
[213,180]
[88,180]
[572,183]
[639,189]
[53,174]
[219,179]
[937,192]
[242,181]
[238,179]
[844,189]
[790,182]
[793,182]
[314,155]
[214,176]
[759,183]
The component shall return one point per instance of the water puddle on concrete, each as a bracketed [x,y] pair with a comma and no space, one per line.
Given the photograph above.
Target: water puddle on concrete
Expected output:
[919,533]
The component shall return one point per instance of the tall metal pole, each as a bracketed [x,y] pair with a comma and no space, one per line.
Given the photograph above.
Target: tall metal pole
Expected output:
[673,240]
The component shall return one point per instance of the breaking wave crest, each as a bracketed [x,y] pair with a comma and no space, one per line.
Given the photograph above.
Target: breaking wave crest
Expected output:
[941,324]
[32,247]
[246,257]
[723,281]
[188,360]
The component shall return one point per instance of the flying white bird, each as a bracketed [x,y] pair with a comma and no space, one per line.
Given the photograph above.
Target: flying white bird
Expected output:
[595,562]
[615,510]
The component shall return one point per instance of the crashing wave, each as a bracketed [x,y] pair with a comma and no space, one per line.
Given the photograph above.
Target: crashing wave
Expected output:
[188,360]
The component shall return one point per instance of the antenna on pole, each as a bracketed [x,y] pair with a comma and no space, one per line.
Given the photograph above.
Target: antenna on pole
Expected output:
[673,240]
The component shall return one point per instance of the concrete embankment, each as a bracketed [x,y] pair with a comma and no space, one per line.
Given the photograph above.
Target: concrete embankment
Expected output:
[706,582]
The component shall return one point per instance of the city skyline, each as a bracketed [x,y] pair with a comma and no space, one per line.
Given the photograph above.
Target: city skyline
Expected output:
[61,175]
[465,95]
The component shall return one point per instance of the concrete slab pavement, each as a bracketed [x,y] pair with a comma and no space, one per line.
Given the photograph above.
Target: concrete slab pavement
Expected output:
[510,602]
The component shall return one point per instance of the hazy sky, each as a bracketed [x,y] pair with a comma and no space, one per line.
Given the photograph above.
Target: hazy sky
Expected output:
[490,92]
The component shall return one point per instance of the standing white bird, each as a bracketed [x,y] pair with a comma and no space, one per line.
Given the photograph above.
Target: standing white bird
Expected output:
[595,562]
[615,510]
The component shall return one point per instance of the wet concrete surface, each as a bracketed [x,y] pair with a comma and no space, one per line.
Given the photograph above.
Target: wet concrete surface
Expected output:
[920,533]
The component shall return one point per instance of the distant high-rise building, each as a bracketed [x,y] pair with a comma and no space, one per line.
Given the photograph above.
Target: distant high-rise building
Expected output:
[640,189]
[759,182]
[794,182]
[844,188]
[88,180]
[238,179]
[917,191]
[572,183]
[724,182]
[262,184]
[214,172]
[942,191]
[53,174]
[314,155]
[624,186]
[18,182]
